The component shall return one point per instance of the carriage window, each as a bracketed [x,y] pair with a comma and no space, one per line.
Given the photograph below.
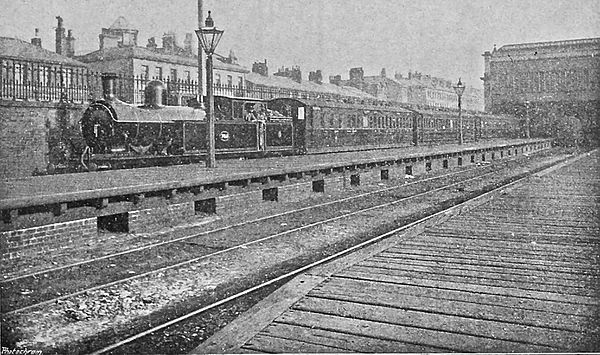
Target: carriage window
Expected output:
[300,113]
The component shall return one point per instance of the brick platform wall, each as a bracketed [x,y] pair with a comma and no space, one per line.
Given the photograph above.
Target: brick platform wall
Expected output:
[28,131]
[152,219]
[242,201]
[14,244]
[295,192]
[35,240]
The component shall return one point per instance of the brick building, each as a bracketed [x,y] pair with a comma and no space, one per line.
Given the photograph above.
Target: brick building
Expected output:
[174,64]
[547,83]
[288,82]
[415,89]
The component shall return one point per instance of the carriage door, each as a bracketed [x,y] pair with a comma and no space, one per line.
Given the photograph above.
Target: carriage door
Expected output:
[262,132]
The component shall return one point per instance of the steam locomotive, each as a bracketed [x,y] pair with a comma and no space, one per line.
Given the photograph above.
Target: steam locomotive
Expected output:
[121,135]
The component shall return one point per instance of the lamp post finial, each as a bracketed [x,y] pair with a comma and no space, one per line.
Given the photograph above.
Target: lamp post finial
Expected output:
[209,21]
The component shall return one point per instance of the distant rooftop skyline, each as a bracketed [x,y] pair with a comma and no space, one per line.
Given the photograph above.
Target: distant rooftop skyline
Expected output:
[437,37]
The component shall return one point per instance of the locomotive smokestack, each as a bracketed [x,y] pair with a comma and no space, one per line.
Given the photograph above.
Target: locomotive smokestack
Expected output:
[108,85]
[153,94]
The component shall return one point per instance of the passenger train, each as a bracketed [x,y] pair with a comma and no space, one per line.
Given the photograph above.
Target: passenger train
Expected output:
[120,135]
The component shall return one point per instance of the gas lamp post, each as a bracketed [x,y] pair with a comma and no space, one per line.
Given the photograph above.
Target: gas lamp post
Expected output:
[209,37]
[459,89]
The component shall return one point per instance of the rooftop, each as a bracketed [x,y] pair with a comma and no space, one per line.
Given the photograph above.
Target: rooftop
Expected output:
[592,42]
[17,49]
[286,83]
[144,53]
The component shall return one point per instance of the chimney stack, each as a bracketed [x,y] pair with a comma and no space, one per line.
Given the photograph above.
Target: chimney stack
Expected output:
[60,36]
[187,44]
[36,40]
[70,41]
[316,77]
[335,79]
[260,68]
[168,42]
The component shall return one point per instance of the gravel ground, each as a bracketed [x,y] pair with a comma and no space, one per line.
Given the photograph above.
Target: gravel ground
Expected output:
[71,325]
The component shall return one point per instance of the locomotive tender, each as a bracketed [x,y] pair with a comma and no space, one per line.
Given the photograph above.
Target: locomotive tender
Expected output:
[121,135]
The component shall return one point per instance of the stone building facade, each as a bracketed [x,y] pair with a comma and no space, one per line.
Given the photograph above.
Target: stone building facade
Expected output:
[415,89]
[547,83]
[176,65]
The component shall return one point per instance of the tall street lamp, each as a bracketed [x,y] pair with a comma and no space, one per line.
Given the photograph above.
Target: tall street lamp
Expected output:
[527,132]
[459,89]
[209,37]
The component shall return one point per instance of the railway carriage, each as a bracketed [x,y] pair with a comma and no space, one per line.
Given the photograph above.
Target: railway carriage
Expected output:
[341,126]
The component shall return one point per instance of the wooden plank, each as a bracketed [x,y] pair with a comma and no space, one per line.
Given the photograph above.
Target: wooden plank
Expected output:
[454,285]
[489,231]
[562,303]
[509,301]
[531,245]
[455,307]
[516,229]
[481,328]
[350,342]
[531,219]
[268,344]
[472,256]
[469,252]
[484,235]
[528,249]
[547,277]
[424,337]
[418,272]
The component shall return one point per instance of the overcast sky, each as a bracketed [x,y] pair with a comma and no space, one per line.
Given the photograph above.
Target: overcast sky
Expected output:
[443,38]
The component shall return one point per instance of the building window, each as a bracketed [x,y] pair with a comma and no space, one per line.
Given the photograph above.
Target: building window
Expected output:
[68,77]
[19,73]
[188,76]
[218,79]
[229,80]
[145,72]
[158,73]
[240,82]
[44,75]
[173,74]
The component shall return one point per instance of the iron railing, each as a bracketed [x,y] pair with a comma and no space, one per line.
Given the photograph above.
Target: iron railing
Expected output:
[32,81]
[27,81]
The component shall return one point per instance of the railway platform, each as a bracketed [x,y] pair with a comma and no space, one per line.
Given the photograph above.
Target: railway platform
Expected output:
[518,272]
[41,212]
[26,192]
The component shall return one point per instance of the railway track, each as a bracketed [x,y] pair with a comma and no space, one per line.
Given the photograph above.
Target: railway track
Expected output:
[134,344]
[44,287]
[485,179]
